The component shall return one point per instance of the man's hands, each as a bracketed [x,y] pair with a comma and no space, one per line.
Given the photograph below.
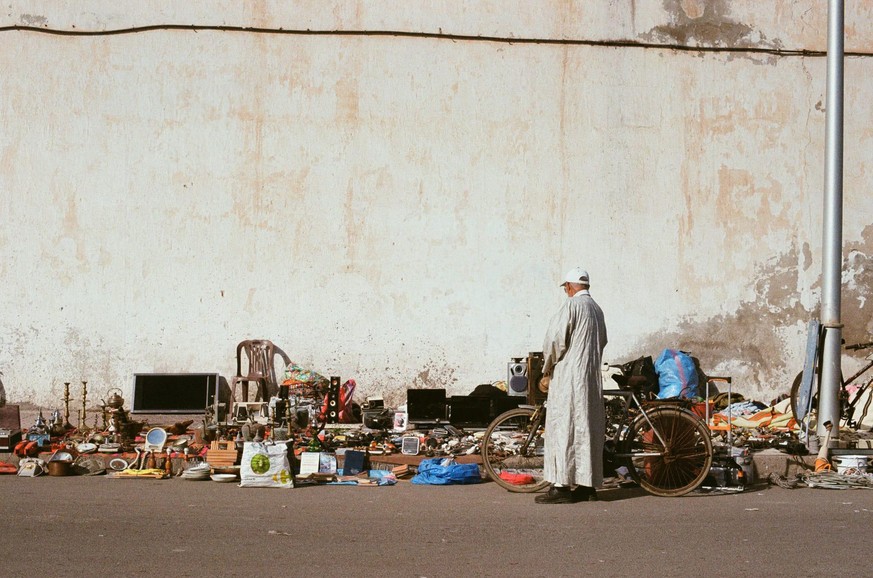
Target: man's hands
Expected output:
[543,386]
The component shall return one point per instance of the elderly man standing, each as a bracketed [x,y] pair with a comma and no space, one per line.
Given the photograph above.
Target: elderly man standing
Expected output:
[575,421]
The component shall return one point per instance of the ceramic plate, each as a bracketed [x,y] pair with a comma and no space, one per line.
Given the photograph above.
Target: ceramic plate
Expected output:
[224,477]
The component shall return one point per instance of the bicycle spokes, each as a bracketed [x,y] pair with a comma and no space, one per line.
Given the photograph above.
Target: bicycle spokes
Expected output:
[668,450]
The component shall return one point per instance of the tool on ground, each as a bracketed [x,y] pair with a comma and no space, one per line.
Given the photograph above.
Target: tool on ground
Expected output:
[821,461]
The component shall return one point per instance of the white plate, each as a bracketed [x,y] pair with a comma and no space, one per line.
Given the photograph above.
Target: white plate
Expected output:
[224,477]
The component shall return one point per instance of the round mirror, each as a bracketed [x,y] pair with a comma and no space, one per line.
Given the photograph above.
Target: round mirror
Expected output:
[156,437]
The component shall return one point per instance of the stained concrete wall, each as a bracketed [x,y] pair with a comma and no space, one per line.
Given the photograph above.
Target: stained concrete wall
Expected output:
[390,197]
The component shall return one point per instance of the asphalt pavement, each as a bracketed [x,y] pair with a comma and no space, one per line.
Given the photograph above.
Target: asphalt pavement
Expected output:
[96,526]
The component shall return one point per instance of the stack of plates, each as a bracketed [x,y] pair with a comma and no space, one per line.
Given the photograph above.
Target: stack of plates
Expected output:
[198,472]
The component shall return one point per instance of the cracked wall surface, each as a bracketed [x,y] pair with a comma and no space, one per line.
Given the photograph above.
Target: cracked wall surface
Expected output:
[390,198]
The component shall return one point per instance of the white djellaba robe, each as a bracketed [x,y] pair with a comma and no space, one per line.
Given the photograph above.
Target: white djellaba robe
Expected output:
[575,420]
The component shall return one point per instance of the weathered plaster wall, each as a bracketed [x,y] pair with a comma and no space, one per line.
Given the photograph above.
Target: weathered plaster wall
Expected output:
[398,209]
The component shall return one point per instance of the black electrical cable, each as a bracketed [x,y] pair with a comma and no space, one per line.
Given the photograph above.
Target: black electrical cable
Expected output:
[433,35]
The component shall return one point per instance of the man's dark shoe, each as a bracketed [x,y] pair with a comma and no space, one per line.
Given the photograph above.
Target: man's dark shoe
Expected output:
[557,496]
[585,494]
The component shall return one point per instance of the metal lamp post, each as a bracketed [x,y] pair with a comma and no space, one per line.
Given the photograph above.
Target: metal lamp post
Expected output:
[832,241]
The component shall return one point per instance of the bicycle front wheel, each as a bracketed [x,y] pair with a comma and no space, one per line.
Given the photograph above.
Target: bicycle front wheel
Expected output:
[512,450]
[668,451]
[795,403]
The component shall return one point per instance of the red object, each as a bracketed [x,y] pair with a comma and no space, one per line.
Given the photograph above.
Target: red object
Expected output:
[26,448]
[517,479]
[699,409]
[7,468]
[346,392]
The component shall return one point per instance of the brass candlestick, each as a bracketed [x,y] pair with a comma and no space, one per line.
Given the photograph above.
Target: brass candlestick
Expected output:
[82,423]
[67,424]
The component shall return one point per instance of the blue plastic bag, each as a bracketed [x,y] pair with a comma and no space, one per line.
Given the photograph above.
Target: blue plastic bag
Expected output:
[677,375]
[444,471]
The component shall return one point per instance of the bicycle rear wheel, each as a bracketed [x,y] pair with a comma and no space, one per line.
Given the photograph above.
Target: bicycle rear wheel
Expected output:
[668,454]
[512,450]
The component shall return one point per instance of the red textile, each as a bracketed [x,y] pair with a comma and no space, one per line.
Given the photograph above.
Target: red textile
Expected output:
[517,479]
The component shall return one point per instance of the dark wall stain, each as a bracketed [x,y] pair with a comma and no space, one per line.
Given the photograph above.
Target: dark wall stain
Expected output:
[857,296]
[750,336]
[706,23]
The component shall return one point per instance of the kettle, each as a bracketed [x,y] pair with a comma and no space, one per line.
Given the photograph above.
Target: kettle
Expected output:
[115,400]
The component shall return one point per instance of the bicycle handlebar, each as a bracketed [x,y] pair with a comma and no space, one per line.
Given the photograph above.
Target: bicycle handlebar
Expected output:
[858,346]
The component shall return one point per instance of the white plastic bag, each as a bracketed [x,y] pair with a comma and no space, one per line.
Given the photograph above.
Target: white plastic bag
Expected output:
[265,465]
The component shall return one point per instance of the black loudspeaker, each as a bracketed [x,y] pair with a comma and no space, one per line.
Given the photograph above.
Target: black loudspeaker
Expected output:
[516,377]
[535,362]
[333,394]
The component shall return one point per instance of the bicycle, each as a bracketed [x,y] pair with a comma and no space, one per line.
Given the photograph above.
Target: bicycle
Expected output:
[665,448]
[847,407]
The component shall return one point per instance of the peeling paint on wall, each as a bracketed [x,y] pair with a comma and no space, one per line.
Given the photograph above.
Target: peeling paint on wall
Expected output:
[706,23]
[741,344]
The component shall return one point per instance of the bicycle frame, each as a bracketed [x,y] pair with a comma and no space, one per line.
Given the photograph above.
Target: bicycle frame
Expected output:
[846,407]
[538,418]
[850,405]
[630,396]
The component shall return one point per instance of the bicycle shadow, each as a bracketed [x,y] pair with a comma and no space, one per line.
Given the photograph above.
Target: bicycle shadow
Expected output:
[629,492]
[619,494]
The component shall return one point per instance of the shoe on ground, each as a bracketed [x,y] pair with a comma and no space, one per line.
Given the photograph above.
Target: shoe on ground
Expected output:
[557,496]
[585,494]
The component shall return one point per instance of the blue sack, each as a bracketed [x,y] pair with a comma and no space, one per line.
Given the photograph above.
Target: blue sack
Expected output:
[444,471]
[677,374]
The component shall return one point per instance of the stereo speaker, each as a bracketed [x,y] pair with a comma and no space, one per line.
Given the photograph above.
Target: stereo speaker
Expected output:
[516,377]
[333,395]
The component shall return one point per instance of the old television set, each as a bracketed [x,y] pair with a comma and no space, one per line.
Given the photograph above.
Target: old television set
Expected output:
[183,393]
[426,406]
[469,411]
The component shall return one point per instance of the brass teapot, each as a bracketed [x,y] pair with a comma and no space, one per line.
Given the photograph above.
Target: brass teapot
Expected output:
[115,400]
